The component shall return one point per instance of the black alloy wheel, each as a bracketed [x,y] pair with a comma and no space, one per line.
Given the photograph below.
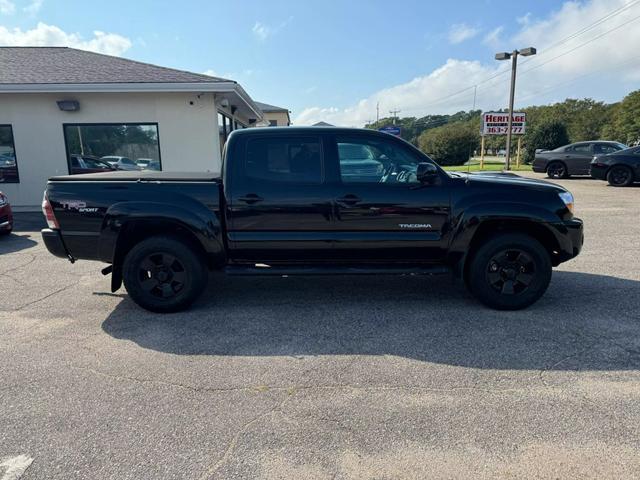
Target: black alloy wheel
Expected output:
[511,271]
[161,275]
[164,274]
[620,176]
[557,170]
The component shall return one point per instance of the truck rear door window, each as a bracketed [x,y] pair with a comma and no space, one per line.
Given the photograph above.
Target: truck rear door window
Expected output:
[285,159]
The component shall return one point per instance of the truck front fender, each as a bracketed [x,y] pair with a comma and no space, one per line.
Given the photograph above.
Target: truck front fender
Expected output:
[513,216]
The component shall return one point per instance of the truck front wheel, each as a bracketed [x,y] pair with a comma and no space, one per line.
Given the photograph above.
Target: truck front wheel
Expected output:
[509,272]
[164,274]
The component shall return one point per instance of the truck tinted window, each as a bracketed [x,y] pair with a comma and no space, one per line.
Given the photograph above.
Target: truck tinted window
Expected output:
[282,159]
[375,160]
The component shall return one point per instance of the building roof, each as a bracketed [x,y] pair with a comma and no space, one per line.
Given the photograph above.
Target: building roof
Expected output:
[63,69]
[265,107]
[63,65]
[322,124]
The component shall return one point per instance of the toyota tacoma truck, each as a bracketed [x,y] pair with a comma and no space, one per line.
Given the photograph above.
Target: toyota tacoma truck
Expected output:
[310,201]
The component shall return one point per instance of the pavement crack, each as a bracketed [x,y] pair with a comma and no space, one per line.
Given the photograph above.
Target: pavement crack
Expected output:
[235,439]
[295,388]
[56,292]
[13,269]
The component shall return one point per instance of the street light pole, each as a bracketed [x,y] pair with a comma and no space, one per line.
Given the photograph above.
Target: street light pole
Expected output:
[525,52]
[514,64]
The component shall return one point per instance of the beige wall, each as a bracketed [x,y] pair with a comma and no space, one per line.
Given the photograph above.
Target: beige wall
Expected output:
[281,117]
[188,134]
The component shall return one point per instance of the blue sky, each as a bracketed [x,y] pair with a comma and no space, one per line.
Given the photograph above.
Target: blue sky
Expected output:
[324,59]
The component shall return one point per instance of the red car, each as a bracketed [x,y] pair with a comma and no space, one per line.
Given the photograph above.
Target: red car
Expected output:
[6,216]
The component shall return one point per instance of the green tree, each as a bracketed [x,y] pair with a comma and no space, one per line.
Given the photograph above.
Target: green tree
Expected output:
[548,135]
[625,124]
[451,144]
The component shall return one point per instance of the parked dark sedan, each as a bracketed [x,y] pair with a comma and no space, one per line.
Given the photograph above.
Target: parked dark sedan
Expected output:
[620,169]
[573,159]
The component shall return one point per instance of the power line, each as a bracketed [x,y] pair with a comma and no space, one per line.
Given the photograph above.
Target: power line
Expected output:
[597,22]
[573,80]
[582,44]
[610,15]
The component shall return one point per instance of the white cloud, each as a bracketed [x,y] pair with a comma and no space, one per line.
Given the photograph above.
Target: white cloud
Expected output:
[525,19]
[460,32]
[50,35]
[607,69]
[7,7]
[262,31]
[34,7]
[492,38]
[211,73]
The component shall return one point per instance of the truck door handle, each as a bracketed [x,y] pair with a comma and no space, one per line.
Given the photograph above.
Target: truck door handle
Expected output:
[349,200]
[250,198]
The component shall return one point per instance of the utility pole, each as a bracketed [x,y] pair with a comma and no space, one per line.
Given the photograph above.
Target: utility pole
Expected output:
[377,112]
[394,114]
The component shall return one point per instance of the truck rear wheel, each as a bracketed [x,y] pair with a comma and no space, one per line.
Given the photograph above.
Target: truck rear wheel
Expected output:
[509,272]
[164,274]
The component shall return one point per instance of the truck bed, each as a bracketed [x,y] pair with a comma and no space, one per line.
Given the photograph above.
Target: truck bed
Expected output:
[142,176]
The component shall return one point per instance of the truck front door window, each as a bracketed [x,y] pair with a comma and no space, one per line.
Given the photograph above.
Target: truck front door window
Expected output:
[375,161]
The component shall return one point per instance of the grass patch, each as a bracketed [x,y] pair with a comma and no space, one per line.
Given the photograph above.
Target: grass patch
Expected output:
[490,165]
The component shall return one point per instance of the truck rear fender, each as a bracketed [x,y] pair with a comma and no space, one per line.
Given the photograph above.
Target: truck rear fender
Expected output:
[127,223]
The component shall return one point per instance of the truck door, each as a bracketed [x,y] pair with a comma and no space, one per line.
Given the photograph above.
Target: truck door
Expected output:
[382,212]
[279,205]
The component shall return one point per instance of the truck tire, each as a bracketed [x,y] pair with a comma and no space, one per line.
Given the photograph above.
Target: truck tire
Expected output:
[164,274]
[509,271]
[620,176]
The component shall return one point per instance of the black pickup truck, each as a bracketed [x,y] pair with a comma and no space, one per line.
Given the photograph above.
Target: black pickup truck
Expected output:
[306,201]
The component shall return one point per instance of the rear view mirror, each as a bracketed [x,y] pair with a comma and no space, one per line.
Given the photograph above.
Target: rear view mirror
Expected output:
[426,172]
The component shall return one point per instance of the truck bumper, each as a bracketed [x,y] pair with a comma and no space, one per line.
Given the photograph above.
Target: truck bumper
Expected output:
[54,243]
[571,239]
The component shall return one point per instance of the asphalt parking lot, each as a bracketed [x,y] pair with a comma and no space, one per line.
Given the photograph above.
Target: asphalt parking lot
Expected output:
[330,377]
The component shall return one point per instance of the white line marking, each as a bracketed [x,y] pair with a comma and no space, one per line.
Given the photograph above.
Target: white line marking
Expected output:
[15,467]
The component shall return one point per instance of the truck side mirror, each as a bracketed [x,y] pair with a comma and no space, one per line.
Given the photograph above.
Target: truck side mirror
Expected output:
[426,172]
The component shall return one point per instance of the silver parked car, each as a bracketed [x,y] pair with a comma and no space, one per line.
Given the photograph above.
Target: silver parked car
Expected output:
[121,163]
[573,159]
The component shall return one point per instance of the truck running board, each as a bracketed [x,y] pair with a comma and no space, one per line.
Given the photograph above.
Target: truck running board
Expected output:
[262,269]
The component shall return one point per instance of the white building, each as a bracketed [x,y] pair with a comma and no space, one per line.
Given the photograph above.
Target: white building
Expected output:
[62,109]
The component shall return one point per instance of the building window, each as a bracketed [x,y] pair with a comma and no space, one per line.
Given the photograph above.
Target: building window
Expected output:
[225,127]
[8,165]
[123,146]
[273,123]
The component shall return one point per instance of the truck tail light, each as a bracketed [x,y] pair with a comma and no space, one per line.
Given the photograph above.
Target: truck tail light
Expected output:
[47,209]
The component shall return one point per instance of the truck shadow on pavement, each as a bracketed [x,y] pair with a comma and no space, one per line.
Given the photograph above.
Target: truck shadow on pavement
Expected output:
[584,322]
